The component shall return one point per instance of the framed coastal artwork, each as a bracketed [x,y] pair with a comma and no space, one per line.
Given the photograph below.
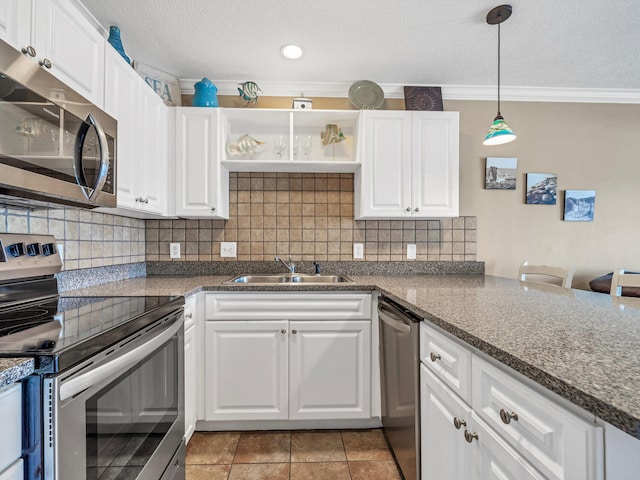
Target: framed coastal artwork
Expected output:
[500,173]
[542,188]
[579,205]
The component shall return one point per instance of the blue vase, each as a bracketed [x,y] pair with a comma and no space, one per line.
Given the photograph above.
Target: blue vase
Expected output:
[116,42]
[206,94]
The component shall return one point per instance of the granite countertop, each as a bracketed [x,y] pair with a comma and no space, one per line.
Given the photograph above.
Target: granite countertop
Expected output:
[14,369]
[581,345]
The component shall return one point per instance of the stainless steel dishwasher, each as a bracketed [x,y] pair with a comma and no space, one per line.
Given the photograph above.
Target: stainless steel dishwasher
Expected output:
[399,381]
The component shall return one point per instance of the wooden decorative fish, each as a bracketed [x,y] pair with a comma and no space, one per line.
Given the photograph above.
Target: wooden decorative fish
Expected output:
[244,144]
[249,91]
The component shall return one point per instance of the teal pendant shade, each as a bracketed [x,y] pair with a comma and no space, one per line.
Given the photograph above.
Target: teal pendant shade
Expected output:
[116,42]
[499,133]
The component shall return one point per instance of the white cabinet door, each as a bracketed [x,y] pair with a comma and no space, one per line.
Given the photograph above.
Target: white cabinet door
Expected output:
[493,459]
[152,134]
[11,438]
[202,183]
[74,47]
[445,453]
[121,102]
[330,369]
[15,22]
[246,370]
[190,385]
[409,165]
[434,177]
[383,186]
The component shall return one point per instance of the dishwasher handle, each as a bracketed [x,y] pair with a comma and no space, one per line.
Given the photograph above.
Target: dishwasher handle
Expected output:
[394,319]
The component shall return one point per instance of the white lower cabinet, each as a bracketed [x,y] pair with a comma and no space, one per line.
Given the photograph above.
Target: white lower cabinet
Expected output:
[11,437]
[259,367]
[500,427]
[193,362]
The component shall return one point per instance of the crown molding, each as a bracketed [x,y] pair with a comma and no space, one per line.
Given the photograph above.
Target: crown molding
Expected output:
[449,92]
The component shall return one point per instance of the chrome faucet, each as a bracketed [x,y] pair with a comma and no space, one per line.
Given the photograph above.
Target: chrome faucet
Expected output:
[290,266]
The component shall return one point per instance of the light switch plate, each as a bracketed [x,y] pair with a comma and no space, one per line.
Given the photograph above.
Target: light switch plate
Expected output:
[174,250]
[358,250]
[411,251]
[228,249]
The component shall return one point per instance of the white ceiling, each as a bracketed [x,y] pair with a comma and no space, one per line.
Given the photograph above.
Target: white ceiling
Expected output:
[587,44]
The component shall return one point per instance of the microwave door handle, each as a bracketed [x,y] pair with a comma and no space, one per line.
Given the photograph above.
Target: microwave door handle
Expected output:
[90,191]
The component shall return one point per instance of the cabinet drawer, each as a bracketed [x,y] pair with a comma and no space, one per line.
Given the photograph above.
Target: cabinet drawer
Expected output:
[449,360]
[289,306]
[11,438]
[556,441]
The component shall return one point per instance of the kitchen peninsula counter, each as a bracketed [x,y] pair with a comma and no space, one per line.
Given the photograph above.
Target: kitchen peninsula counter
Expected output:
[14,369]
[581,345]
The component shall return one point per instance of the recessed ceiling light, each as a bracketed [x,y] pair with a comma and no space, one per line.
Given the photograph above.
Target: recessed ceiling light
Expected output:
[292,52]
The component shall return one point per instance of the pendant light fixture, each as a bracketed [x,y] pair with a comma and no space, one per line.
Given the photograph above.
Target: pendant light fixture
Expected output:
[499,132]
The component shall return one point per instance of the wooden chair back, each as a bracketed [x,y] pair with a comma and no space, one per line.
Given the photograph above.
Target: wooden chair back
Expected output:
[564,274]
[623,279]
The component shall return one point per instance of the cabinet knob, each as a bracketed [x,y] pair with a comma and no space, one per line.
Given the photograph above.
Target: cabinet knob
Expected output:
[469,437]
[417,209]
[213,209]
[294,331]
[459,423]
[29,50]
[45,62]
[408,209]
[146,200]
[188,315]
[283,331]
[506,417]
[434,356]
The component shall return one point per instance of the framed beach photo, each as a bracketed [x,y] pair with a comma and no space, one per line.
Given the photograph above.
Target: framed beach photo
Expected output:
[542,188]
[579,205]
[500,173]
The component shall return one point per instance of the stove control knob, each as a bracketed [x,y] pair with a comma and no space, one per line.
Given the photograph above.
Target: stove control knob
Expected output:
[34,249]
[48,249]
[17,249]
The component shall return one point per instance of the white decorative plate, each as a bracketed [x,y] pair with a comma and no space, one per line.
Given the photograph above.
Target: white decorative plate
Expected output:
[366,94]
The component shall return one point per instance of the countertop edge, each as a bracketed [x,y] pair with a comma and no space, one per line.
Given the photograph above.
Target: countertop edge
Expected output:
[13,370]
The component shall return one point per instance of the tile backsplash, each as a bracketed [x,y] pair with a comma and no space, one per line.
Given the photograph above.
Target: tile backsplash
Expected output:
[90,239]
[310,217]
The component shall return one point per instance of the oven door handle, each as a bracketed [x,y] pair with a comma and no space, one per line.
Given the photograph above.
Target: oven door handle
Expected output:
[93,377]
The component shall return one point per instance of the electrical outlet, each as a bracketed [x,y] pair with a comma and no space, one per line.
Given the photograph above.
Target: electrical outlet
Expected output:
[411,251]
[174,250]
[228,249]
[358,250]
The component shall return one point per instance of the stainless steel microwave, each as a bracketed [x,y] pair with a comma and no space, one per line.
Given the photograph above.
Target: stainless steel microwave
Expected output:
[55,146]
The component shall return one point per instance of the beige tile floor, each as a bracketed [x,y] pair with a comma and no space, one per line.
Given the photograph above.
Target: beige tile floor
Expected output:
[294,455]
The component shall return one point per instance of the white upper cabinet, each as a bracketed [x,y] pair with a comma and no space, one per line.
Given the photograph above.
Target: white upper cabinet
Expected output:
[60,39]
[202,183]
[292,140]
[409,165]
[143,140]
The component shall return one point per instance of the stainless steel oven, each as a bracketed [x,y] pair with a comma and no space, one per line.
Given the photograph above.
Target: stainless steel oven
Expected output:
[119,414]
[106,399]
[55,146]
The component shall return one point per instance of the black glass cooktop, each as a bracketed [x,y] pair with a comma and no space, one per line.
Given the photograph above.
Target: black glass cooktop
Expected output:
[62,331]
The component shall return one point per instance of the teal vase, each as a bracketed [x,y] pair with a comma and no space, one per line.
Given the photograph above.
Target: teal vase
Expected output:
[116,42]
[205,94]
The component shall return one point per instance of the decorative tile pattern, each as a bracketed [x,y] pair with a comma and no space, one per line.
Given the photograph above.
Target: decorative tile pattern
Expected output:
[310,217]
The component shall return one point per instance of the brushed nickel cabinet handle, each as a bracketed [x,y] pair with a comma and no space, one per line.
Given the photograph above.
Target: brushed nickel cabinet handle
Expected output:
[29,50]
[459,423]
[213,209]
[188,315]
[506,417]
[434,356]
[294,331]
[283,331]
[408,209]
[469,437]
[45,62]
[417,209]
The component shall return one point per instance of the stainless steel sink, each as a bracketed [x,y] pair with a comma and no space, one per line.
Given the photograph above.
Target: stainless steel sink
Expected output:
[286,278]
